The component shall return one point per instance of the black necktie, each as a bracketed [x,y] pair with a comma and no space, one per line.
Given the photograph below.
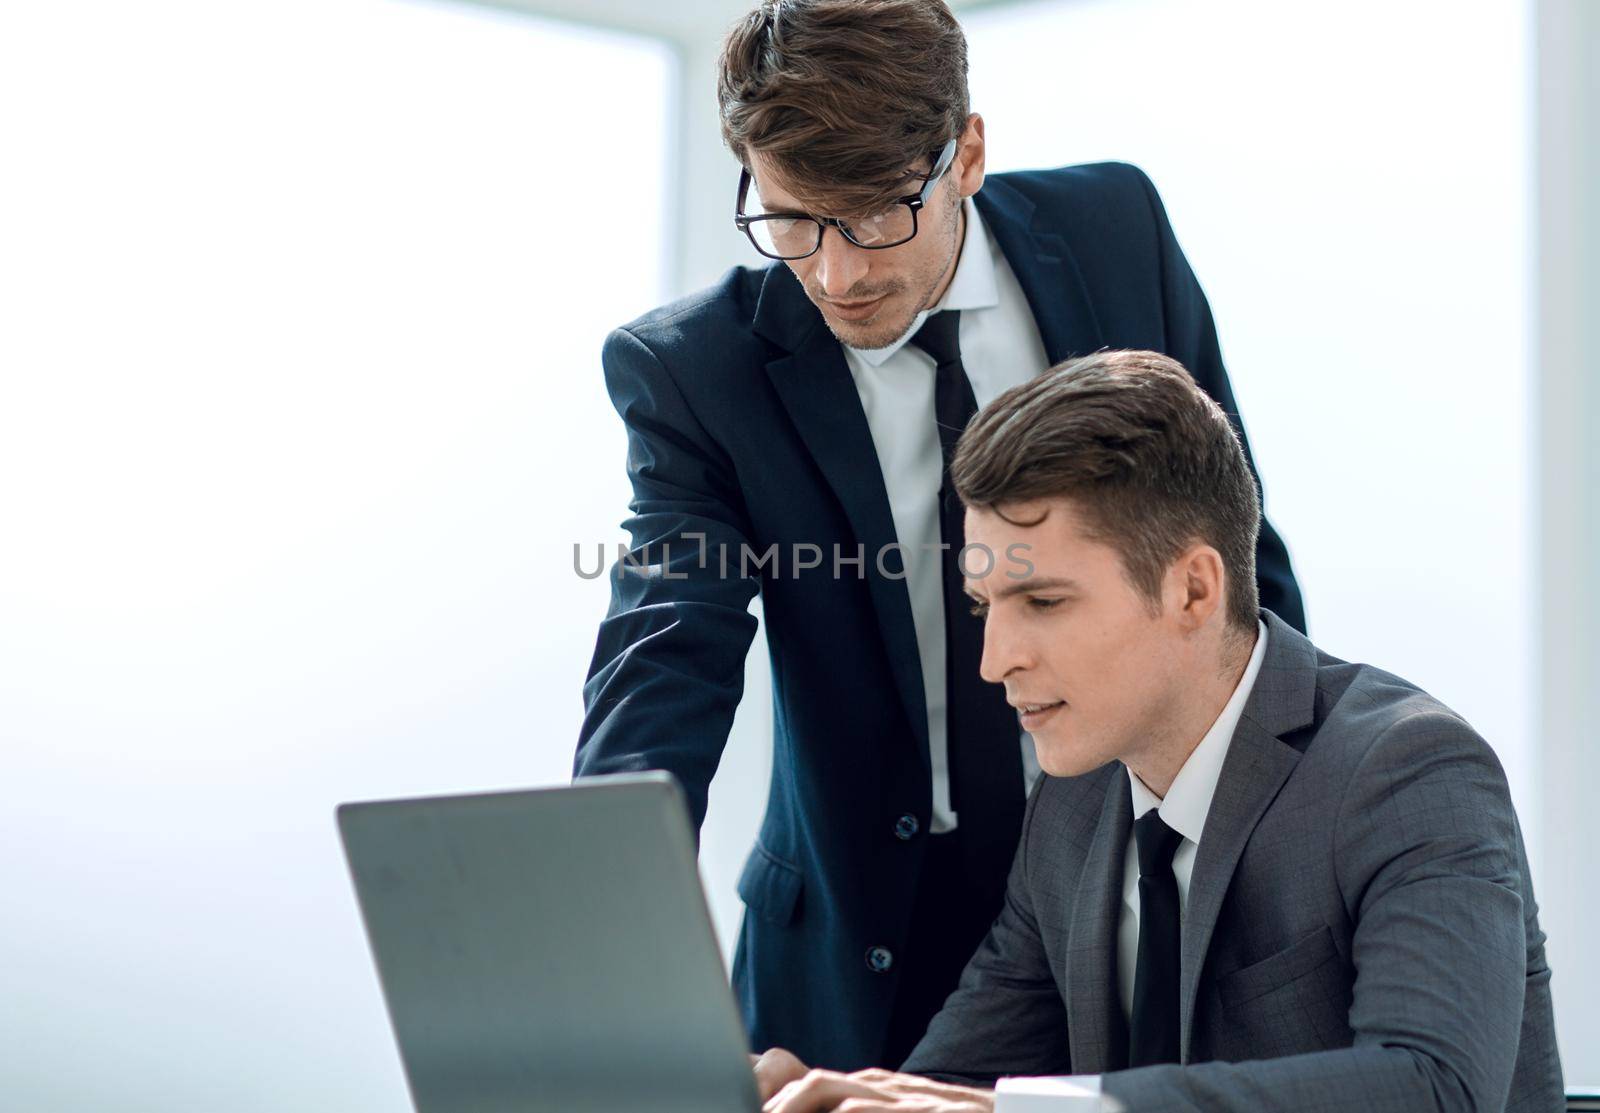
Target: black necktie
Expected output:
[1153,1028]
[981,730]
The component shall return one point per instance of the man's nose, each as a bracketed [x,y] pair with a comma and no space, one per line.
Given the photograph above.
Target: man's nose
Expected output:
[840,263]
[1002,654]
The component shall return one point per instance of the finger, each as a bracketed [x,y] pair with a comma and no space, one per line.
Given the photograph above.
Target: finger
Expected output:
[896,1083]
[944,1091]
[775,1069]
[820,1091]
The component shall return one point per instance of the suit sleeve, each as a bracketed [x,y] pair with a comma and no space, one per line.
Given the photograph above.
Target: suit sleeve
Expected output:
[1191,339]
[1006,1015]
[1427,859]
[668,666]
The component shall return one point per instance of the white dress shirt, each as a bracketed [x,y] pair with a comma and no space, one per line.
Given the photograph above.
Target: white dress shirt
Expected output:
[1184,809]
[1000,348]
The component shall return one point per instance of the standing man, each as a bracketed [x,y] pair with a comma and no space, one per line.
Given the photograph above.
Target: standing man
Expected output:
[790,432]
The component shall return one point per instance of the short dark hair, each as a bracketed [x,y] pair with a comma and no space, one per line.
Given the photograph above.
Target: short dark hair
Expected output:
[841,97]
[1147,457]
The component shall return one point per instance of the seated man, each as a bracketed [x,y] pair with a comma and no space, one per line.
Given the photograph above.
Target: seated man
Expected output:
[1257,877]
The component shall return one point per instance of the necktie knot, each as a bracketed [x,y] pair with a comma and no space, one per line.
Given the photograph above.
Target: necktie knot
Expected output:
[940,336]
[1157,843]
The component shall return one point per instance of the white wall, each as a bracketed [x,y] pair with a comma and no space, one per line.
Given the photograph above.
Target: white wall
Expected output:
[1352,190]
[300,415]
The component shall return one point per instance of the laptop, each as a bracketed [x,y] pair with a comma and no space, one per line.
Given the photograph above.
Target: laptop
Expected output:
[549,950]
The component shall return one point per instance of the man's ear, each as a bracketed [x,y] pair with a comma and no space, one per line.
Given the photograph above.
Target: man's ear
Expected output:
[1197,584]
[967,168]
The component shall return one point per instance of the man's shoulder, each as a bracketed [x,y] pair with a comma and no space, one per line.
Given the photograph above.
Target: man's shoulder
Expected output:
[1367,717]
[1081,181]
[1096,194]
[714,319]
[1108,215]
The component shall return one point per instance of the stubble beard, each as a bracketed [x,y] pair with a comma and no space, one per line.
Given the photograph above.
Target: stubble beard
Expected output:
[877,331]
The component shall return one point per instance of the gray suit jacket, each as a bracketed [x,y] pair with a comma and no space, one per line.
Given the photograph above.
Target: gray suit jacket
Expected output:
[1360,931]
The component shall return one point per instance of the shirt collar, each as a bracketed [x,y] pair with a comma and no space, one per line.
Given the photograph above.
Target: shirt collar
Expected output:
[1185,806]
[973,286]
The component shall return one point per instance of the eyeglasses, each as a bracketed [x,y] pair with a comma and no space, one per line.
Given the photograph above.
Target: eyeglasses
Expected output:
[797,235]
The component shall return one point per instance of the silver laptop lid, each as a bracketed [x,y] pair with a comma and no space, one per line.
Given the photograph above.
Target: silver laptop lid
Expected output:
[549,950]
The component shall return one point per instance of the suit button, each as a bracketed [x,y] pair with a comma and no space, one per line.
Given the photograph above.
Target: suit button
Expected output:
[906,828]
[879,960]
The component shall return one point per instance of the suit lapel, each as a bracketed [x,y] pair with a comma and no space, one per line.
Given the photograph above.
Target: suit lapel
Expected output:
[814,383]
[1045,270]
[1096,1031]
[1257,765]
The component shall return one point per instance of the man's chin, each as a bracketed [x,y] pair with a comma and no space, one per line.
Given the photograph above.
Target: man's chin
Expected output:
[878,331]
[1063,758]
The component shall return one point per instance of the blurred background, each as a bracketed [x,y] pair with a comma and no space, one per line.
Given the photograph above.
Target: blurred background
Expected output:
[301,421]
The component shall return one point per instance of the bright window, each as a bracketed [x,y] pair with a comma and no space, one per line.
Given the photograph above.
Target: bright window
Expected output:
[300,416]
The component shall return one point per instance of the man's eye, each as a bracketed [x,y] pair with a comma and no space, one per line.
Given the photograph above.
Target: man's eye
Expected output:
[1043,604]
[980,610]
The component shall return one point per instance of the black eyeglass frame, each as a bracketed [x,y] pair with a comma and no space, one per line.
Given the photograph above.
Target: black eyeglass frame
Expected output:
[914,201]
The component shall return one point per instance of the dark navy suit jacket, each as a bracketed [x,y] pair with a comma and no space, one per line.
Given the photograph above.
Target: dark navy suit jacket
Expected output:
[745,431]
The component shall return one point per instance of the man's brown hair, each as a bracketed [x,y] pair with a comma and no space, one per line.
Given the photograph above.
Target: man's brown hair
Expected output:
[842,97]
[1147,458]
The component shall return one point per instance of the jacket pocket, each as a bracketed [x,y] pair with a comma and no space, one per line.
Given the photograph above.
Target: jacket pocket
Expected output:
[1276,971]
[770,887]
